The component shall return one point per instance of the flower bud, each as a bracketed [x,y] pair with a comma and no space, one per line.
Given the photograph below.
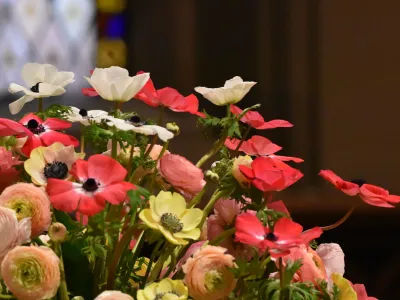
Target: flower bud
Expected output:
[57,232]
[174,128]
[239,161]
[210,175]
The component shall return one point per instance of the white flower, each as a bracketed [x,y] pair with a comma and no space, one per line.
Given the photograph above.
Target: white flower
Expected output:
[115,84]
[124,125]
[83,116]
[232,92]
[12,232]
[42,81]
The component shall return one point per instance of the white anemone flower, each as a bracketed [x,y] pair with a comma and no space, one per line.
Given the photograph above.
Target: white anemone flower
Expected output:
[12,232]
[232,92]
[43,80]
[125,125]
[84,116]
[115,84]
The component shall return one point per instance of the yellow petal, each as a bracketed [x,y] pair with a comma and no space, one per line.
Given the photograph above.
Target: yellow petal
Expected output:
[178,204]
[34,166]
[180,289]
[165,286]
[150,291]
[193,234]
[171,237]
[162,203]
[191,218]
[154,214]
[146,217]
[346,290]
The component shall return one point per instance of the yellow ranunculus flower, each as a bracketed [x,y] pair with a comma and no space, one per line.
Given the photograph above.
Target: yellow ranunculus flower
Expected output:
[168,214]
[166,289]
[54,161]
[346,290]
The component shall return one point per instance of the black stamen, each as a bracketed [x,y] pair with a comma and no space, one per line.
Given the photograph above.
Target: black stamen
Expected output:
[271,237]
[35,88]
[83,112]
[135,120]
[359,182]
[90,185]
[35,127]
[57,170]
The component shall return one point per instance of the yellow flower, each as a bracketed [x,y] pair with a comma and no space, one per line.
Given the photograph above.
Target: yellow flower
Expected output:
[143,264]
[166,289]
[346,290]
[168,214]
[54,161]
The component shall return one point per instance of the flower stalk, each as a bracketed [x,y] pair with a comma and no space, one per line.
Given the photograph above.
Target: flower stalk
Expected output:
[341,220]
[40,104]
[210,205]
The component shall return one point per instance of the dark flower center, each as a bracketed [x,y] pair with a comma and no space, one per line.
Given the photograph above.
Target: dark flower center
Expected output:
[171,222]
[57,170]
[35,88]
[135,120]
[83,112]
[90,185]
[159,296]
[359,182]
[271,237]
[35,127]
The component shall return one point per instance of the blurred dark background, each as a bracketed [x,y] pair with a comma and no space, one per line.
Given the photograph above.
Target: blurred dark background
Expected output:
[329,67]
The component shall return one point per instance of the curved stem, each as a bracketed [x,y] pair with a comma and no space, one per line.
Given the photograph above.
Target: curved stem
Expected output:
[243,139]
[340,221]
[196,199]
[155,273]
[210,205]
[152,257]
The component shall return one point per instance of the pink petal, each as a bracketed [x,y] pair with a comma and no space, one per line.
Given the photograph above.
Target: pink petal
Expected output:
[115,193]
[246,171]
[275,124]
[80,170]
[90,92]
[249,230]
[63,195]
[31,143]
[263,146]
[56,124]
[28,117]
[106,169]
[278,206]
[50,137]
[10,127]
[286,227]
[311,234]
[90,205]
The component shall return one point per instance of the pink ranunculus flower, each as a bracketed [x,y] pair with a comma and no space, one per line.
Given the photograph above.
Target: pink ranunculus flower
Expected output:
[8,173]
[207,274]
[31,272]
[12,232]
[333,257]
[181,174]
[113,295]
[28,201]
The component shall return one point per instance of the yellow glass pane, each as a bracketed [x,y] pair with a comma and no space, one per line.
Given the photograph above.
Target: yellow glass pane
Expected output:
[111,53]
[111,6]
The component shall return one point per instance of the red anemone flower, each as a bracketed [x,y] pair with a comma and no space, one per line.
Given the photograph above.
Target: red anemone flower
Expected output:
[259,146]
[39,132]
[90,92]
[170,98]
[99,180]
[370,194]
[361,292]
[256,120]
[267,174]
[285,235]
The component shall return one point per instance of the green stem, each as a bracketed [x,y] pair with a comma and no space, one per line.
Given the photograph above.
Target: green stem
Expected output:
[171,265]
[117,108]
[40,105]
[135,251]
[130,162]
[114,146]
[82,139]
[220,238]
[62,289]
[197,199]
[210,205]
[281,274]
[341,220]
[152,258]
[160,121]
[247,109]
[160,263]
[7,297]
[243,139]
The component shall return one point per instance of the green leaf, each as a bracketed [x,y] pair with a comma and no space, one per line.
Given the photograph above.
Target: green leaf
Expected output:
[290,270]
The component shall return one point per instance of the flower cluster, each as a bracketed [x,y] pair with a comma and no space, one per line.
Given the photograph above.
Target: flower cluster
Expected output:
[134,220]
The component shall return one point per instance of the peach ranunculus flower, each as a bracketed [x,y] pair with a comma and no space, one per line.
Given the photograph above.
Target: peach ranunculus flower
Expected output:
[181,174]
[312,268]
[8,173]
[28,201]
[12,232]
[241,161]
[207,274]
[113,295]
[54,161]
[31,272]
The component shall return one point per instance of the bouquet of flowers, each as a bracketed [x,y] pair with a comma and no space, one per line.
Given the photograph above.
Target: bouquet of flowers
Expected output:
[133,220]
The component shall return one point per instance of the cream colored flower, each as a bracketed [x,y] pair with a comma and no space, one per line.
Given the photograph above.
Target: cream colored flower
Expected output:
[166,289]
[232,92]
[43,80]
[113,295]
[239,161]
[84,116]
[54,161]
[115,84]
[169,215]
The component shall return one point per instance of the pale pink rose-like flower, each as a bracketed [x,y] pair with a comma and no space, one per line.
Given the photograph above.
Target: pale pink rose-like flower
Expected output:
[333,257]
[113,295]
[28,201]
[12,232]
[207,274]
[31,272]
[181,174]
[8,173]
[241,161]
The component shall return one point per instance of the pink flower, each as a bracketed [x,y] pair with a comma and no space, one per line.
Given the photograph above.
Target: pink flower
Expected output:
[100,180]
[8,173]
[58,232]
[207,274]
[12,232]
[361,292]
[113,295]
[333,257]
[28,201]
[31,272]
[256,120]
[181,174]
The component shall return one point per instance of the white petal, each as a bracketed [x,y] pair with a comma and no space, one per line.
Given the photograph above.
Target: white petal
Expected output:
[232,82]
[135,86]
[101,87]
[29,73]
[50,73]
[63,78]
[202,90]
[120,124]
[162,133]
[114,73]
[46,90]
[99,74]
[114,92]
[15,88]
[16,106]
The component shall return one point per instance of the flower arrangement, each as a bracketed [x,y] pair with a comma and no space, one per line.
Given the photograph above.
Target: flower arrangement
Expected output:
[133,220]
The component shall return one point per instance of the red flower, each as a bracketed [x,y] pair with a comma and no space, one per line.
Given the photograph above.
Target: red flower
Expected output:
[91,92]
[361,292]
[99,180]
[278,206]
[8,173]
[170,98]
[285,235]
[370,194]
[267,174]
[256,120]
[259,146]
[39,132]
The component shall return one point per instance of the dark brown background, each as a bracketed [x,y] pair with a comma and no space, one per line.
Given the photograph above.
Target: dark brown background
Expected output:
[330,67]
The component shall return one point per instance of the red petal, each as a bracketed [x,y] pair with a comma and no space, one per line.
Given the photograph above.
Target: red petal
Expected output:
[56,124]
[231,143]
[278,206]
[369,190]
[105,169]
[249,230]
[31,143]
[346,187]
[349,188]
[236,110]
[148,93]
[10,127]
[375,201]
[285,227]
[90,205]
[90,92]
[62,195]
[287,158]
[29,117]
[263,146]
[311,234]
[275,124]
[170,97]
[393,199]
[246,171]
[115,193]
[50,137]
[80,170]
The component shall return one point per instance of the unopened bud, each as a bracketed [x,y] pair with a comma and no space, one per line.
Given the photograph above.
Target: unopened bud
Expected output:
[57,232]
[210,175]
[174,128]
